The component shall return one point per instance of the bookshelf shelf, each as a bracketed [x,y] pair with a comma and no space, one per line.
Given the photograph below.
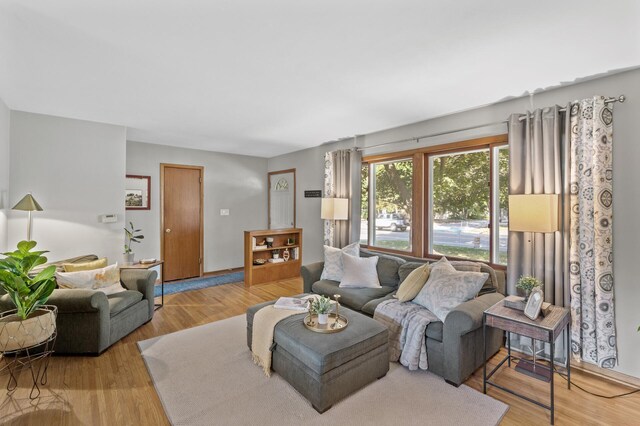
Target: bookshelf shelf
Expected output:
[257,274]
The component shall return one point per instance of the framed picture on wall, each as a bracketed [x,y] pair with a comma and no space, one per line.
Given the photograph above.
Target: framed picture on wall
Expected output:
[137,193]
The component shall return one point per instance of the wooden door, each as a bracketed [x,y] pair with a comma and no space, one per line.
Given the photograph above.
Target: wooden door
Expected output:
[181,220]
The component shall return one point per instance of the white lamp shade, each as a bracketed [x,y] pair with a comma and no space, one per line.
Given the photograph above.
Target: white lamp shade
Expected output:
[533,213]
[335,208]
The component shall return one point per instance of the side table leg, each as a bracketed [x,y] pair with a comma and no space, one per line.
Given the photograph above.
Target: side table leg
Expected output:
[553,354]
[569,355]
[509,347]
[484,358]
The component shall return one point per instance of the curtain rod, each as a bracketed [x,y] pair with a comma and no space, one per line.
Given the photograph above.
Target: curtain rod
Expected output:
[417,139]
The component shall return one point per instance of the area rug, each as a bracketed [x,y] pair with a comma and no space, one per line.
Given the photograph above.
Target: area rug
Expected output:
[199,283]
[204,376]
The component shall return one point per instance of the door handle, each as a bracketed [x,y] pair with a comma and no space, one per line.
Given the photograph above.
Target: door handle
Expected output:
[167,230]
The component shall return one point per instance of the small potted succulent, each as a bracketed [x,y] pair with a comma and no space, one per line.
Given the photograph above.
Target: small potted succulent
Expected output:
[321,307]
[132,235]
[32,322]
[526,283]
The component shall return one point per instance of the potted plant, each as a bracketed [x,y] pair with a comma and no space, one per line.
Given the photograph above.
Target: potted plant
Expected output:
[31,323]
[132,235]
[527,283]
[321,307]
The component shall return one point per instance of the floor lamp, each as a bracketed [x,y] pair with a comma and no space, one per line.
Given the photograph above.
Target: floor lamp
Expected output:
[533,213]
[28,204]
[334,209]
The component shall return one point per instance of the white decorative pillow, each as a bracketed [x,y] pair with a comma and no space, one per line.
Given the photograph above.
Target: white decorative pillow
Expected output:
[360,272]
[333,261]
[447,288]
[106,280]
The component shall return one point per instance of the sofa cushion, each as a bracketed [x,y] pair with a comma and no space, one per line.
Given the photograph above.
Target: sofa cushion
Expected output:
[434,330]
[118,302]
[370,307]
[354,298]
[387,267]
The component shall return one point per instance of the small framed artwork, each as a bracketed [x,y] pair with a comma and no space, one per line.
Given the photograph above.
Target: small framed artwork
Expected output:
[534,304]
[137,193]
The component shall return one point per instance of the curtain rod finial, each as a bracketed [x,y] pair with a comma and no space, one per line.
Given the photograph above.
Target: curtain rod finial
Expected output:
[622,98]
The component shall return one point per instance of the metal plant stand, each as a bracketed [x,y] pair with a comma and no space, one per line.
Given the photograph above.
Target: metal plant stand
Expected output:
[34,358]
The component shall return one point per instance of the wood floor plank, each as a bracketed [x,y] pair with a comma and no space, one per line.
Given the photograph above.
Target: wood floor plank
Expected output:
[115,388]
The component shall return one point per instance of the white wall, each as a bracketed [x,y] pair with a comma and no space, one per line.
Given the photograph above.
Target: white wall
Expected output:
[234,182]
[626,179]
[75,169]
[4,173]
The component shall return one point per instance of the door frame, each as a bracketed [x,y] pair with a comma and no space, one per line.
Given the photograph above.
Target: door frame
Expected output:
[278,172]
[162,228]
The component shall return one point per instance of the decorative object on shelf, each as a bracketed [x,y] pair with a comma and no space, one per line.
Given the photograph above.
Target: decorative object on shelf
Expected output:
[321,307]
[534,304]
[137,192]
[291,241]
[28,204]
[275,254]
[259,261]
[132,235]
[269,242]
[286,255]
[527,284]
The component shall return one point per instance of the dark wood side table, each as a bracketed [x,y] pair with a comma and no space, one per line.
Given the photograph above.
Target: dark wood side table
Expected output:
[139,265]
[546,329]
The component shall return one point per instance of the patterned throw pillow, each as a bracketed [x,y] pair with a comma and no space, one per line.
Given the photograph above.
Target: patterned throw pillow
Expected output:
[106,280]
[448,288]
[333,268]
[360,272]
[411,286]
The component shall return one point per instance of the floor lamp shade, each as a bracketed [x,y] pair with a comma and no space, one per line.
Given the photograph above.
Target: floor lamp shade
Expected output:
[28,204]
[533,213]
[335,209]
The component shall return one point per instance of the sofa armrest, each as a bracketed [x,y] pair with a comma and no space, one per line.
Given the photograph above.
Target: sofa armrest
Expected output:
[310,274]
[69,301]
[468,316]
[142,280]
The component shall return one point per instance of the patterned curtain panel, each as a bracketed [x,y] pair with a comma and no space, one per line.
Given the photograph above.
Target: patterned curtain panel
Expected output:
[342,181]
[591,250]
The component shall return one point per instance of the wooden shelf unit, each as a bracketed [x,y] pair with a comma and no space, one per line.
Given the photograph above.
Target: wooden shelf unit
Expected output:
[257,274]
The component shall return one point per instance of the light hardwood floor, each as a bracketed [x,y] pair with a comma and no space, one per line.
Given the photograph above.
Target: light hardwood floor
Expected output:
[115,388]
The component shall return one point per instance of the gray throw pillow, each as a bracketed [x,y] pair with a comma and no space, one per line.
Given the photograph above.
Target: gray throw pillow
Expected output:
[359,272]
[448,288]
[333,268]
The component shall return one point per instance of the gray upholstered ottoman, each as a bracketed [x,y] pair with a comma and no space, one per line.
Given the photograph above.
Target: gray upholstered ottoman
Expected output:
[325,368]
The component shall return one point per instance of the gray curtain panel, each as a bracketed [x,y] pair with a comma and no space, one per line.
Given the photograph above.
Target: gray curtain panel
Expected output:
[539,164]
[593,332]
[342,180]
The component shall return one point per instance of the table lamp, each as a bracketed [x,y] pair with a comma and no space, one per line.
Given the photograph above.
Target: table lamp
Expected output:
[335,209]
[28,204]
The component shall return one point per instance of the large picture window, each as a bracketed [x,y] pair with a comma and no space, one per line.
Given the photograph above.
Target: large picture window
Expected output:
[446,200]
[386,221]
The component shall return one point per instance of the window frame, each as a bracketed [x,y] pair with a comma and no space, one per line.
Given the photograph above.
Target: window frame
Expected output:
[421,212]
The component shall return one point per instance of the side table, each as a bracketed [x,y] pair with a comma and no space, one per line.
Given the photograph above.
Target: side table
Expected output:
[546,329]
[139,265]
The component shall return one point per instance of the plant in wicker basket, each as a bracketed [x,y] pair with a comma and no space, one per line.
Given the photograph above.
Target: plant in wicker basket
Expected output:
[28,325]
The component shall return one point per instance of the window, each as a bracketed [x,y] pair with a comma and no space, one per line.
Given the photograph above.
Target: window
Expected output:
[460,208]
[390,186]
[459,205]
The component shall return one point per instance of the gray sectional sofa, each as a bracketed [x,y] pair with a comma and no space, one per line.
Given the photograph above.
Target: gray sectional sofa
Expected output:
[455,347]
[89,321]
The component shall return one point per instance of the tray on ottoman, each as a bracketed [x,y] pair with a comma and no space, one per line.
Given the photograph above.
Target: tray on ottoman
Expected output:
[325,368]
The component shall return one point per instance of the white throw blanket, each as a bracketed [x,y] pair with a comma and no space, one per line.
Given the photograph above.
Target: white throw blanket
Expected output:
[407,323]
[264,324]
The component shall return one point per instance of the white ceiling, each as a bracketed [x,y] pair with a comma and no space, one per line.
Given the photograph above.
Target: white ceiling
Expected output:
[268,77]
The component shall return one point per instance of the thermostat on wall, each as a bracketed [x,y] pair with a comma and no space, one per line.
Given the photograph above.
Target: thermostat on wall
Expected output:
[108,218]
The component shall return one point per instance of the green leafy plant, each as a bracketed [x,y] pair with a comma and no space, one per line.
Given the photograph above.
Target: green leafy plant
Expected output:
[528,283]
[26,292]
[321,305]
[132,235]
